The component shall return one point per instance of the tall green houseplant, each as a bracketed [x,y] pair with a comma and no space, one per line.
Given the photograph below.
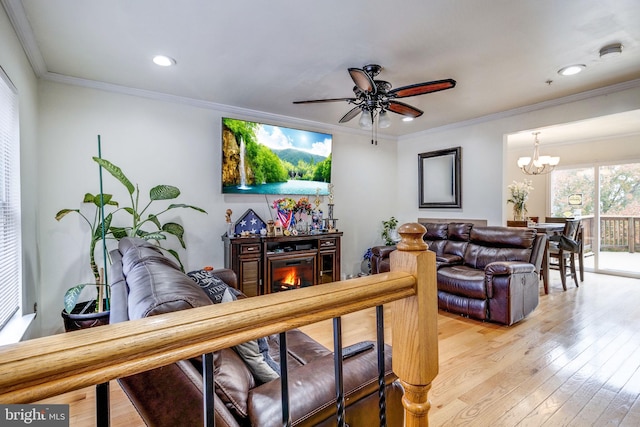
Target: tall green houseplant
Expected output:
[143,223]
[95,226]
[147,227]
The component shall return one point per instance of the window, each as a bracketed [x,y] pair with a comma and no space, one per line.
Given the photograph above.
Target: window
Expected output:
[607,199]
[10,244]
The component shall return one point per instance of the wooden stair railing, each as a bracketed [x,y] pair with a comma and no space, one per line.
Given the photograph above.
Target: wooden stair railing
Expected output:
[44,367]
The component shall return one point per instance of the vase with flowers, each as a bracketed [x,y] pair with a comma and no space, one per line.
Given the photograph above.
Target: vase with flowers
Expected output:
[303,206]
[519,195]
[284,210]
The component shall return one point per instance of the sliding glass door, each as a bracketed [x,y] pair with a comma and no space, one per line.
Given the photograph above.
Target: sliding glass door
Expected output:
[610,213]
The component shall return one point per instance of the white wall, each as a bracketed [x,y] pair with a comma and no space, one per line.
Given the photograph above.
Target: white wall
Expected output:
[16,66]
[168,143]
[484,166]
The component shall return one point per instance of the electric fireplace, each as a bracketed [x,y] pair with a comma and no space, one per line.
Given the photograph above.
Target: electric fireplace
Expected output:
[291,272]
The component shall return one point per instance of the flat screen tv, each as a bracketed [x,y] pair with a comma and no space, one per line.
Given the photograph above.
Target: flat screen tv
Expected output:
[258,158]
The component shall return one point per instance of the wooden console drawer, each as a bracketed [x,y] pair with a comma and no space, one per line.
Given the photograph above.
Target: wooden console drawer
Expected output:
[251,248]
[327,243]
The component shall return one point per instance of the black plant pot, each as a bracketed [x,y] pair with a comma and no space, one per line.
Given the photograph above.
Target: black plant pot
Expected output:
[83,317]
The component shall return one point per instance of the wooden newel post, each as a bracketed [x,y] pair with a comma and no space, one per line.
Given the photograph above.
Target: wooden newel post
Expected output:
[415,325]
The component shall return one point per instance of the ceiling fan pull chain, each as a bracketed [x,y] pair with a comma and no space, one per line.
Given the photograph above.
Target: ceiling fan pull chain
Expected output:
[374,129]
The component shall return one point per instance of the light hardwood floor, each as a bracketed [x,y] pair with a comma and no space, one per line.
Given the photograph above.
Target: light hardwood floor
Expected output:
[575,361]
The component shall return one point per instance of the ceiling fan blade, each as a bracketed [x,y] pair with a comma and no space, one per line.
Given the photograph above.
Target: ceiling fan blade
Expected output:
[313,101]
[363,81]
[404,109]
[422,88]
[350,115]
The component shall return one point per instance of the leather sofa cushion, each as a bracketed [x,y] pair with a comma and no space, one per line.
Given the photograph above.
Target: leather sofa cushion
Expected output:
[233,381]
[301,348]
[462,280]
[437,246]
[312,389]
[476,308]
[459,231]
[455,248]
[490,244]
[504,237]
[448,259]
[435,231]
[156,285]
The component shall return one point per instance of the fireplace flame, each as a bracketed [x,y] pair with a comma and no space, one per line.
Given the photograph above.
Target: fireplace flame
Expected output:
[291,279]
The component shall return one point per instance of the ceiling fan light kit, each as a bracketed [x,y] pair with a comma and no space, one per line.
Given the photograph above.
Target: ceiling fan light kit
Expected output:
[374,98]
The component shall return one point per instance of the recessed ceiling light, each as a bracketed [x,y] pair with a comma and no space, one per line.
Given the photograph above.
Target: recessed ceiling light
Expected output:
[407,119]
[571,70]
[611,50]
[163,61]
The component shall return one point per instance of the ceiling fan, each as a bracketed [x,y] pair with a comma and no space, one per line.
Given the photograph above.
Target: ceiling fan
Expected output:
[375,97]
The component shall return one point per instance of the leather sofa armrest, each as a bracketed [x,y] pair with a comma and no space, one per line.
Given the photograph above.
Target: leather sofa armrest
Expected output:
[444,260]
[312,389]
[378,254]
[504,268]
[227,275]
[507,267]
[382,251]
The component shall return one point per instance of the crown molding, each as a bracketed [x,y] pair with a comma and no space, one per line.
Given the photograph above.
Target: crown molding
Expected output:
[240,112]
[606,90]
[22,27]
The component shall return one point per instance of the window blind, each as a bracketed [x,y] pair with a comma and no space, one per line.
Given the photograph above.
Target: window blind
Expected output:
[10,242]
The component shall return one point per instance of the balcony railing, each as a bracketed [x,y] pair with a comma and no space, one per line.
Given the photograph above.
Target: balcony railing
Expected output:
[49,366]
[617,233]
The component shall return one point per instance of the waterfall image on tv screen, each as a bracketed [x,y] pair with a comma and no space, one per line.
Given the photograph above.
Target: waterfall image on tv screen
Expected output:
[263,159]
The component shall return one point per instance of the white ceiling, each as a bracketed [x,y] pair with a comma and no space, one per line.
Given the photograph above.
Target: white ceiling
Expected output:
[262,55]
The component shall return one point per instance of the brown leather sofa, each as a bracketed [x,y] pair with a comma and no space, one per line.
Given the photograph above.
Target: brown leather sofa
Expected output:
[146,283]
[487,273]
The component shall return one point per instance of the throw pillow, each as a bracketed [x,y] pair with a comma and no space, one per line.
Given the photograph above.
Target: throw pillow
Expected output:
[255,353]
[212,285]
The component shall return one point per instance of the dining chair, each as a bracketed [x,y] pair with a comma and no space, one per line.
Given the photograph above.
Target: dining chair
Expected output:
[556,219]
[564,248]
[549,219]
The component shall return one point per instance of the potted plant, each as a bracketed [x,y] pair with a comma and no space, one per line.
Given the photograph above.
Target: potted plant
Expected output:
[144,224]
[388,231]
[95,311]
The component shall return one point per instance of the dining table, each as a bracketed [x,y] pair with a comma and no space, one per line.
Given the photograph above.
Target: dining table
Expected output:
[550,229]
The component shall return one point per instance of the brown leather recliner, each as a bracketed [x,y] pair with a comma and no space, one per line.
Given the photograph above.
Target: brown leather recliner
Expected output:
[145,283]
[487,273]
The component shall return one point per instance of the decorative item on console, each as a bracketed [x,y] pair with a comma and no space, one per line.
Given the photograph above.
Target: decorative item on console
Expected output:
[230,231]
[302,207]
[316,215]
[519,194]
[286,211]
[249,224]
[330,223]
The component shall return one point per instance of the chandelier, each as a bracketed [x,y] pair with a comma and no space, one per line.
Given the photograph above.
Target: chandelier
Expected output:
[537,165]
